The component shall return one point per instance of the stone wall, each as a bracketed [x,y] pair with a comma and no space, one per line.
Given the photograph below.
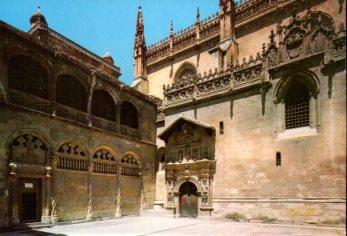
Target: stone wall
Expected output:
[72,195]
[322,211]
[72,186]
[131,195]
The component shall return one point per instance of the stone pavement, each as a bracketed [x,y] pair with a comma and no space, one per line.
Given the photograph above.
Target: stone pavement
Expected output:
[180,226]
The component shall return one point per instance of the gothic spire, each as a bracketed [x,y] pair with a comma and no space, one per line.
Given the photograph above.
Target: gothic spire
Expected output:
[139,36]
[140,48]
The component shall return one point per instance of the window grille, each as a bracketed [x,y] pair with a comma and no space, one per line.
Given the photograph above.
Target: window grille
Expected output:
[297,110]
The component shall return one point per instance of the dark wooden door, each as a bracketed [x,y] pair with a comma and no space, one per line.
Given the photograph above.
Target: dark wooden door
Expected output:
[189,205]
[30,200]
[188,200]
[29,206]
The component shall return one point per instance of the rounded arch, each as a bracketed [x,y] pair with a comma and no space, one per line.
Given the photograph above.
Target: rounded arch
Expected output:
[104,155]
[129,115]
[185,70]
[103,105]
[306,77]
[134,155]
[71,92]
[37,140]
[28,75]
[81,144]
[187,179]
[16,50]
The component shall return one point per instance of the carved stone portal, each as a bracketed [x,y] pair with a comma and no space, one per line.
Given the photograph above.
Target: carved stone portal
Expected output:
[190,167]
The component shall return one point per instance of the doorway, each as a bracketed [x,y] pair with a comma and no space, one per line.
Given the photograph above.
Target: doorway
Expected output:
[188,200]
[30,200]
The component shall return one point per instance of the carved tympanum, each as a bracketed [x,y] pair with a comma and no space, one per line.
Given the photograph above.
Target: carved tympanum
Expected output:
[28,149]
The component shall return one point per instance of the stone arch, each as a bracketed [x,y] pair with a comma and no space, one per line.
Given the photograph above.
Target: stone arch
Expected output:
[307,77]
[71,92]
[103,105]
[129,114]
[187,179]
[134,155]
[185,70]
[28,75]
[110,150]
[38,136]
[44,60]
[76,141]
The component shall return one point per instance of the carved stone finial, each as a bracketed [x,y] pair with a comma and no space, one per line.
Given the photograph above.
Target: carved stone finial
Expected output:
[272,37]
[171,28]
[197,15]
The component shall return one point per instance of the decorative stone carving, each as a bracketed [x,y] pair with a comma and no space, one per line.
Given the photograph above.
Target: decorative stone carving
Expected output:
[29,149]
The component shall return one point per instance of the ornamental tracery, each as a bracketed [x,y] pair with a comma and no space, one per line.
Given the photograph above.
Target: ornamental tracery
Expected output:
[130,165]
[28,149]
[104,162]
[72,156]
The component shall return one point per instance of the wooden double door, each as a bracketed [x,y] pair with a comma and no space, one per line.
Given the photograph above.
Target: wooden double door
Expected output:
[188,200]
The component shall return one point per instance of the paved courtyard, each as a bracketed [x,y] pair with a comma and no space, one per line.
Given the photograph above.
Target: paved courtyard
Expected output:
[180,226]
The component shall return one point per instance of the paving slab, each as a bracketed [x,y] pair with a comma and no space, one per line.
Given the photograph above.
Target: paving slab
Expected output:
[178,226]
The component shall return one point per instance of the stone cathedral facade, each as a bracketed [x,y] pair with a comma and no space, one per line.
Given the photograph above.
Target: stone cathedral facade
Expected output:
[253,113]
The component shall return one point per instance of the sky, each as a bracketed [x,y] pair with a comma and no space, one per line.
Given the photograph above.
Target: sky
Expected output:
[101,25]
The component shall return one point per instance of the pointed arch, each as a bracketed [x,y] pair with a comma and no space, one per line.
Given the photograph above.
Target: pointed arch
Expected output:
[184,72]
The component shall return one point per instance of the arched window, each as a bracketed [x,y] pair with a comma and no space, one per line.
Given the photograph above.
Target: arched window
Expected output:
[103,105]
[297,109]
[130,165]
[128,115]
[185,73]
[70,92]
[27,75]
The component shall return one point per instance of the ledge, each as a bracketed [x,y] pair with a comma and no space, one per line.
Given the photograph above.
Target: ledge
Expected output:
[297,133]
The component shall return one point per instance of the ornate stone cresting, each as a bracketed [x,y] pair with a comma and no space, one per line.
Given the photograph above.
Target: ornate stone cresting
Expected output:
[307,37]
[211,27]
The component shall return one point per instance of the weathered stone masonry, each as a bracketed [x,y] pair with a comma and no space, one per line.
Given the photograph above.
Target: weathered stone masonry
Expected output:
[74,140]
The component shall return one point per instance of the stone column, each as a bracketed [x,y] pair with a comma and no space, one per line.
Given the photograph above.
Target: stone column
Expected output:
[90,97]
[90,191]
[52,88]
[53,186]
[46,195]
[13,200]
[118,196]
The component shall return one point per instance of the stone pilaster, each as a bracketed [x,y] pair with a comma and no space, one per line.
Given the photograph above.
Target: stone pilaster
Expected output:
[53,186]
[90,191]
[118,196]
